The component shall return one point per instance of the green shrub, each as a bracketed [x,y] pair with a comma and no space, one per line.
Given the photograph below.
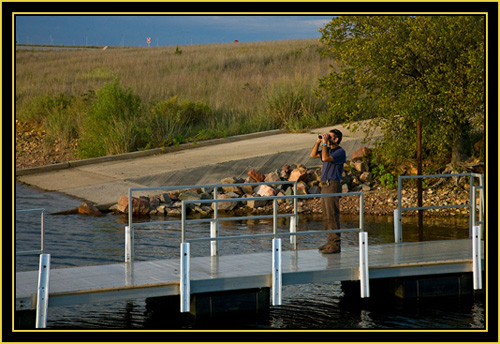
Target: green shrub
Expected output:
[113,123]
[294,108]
[173,121]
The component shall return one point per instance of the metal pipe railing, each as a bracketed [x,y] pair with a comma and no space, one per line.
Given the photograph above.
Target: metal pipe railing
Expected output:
[398,235]
[276,274]
[129,230]
[25,253]
[274,216]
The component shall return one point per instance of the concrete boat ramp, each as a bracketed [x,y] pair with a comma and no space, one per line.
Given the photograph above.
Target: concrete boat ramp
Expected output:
[104,180]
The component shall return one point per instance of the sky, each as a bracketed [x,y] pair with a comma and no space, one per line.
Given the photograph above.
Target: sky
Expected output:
[166,30]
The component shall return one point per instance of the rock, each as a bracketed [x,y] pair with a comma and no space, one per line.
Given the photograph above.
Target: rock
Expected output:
[285,172]
[86,208]
[140,206]
[272,177]
[299,174]
[315,189]
[360,154]
[365,177]
[360,166]
[231,180]
[256,203]
[301,188]
[164,198]
[256,175]
[264,191]
[225,205]
[189,196]
[247,189]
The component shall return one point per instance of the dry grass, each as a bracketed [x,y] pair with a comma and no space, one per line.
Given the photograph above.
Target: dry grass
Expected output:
[248,87]
[230,77]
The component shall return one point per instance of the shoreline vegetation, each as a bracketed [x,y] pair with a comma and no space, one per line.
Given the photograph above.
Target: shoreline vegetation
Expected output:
[81,102]
[142,98]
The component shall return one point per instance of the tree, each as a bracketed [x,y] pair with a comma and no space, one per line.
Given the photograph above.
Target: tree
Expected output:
[397,70]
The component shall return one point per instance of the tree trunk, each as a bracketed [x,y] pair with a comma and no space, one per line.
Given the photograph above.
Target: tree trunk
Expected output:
[459,151]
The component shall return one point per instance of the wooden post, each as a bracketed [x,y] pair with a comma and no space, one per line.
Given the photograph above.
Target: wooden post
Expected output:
[419,182]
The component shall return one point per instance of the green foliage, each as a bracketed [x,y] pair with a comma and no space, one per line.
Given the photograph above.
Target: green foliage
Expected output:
[294,108]
[397,70]
[113,123]
[171,122]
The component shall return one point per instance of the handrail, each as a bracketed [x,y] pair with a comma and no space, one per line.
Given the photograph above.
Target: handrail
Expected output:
[274,216]
[276,275]
[129,230]
[398,236]
[25,253]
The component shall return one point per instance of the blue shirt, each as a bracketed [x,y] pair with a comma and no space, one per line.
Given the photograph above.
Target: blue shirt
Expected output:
[333,170]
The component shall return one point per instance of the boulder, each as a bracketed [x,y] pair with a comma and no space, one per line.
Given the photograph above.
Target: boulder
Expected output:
[256,175]
[140,206]
[189,196]
[225,205]
[365,177]
[360,154]
[299,174]
[360,166]
[264,191]
[285,172]
[272,177]
[231,180]
[87,208]
[301,188]
[257,203]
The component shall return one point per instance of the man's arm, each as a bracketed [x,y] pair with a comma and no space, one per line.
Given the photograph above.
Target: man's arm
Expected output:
[314,152]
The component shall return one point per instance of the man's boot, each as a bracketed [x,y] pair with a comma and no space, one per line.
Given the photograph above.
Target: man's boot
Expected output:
[333,244]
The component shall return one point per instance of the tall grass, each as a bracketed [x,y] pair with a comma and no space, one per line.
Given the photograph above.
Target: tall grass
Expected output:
[237,88]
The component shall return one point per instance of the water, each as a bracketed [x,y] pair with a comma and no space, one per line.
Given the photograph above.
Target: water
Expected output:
[74,240]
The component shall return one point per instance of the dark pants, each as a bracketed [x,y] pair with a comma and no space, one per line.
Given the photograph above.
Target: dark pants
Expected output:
[331,208]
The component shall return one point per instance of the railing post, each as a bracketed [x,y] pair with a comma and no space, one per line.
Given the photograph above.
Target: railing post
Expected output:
[214,249]
[41,230]
[129,244]
[293,229]
[476,258]
[276,275]
[397,228]
[42,302]
[185,285]
[364,278]
[214,231]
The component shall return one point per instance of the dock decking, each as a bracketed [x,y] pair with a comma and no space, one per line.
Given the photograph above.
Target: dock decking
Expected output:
[121,281]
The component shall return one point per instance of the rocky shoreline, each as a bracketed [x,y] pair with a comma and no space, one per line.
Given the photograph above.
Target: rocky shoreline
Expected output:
[356,178]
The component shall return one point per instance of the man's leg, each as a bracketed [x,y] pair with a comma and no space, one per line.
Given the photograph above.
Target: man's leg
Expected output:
[331,217]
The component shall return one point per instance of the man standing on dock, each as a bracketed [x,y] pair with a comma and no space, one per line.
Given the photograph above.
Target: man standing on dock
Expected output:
[333,157]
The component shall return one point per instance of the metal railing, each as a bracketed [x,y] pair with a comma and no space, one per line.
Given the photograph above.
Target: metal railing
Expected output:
[25,253]
[129,230]
[398,235]
[276,242]
[42,300]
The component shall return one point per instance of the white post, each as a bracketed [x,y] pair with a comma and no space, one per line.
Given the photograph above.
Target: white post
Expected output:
[129,244]
[397,228]
[185,278]
[42,302]
[276,272]
[293,229]
[364,278]
[214,250]
[476,258]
